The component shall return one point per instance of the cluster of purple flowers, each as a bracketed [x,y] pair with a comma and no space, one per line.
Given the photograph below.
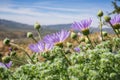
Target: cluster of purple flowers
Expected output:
[49,41]
[59,37]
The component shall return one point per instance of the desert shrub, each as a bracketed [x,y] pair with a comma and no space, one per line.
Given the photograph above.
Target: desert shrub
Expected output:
[100,63]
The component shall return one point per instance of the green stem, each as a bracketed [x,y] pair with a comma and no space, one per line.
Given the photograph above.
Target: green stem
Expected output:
[118,31]
[90,41]
[39,34]
[113,29]
[66,58]
[77,41]
[101,28]
[34,39]
[17,61]
[95,42]
[15,45]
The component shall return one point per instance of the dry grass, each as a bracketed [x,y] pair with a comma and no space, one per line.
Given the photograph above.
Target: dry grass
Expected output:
[24,43]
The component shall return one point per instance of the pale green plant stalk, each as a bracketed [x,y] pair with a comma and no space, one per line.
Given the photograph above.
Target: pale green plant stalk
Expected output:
[15,45]
[101,28]
[39,34]
[18,61]
[66,59]
[34,39]
[118,31]
[90,41]
[114,29]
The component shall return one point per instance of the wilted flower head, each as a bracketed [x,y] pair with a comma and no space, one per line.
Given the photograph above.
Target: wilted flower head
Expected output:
[116,21]
[6,65]
[83,25]
[77,49]
[10,49]
[41,47]
[57,37]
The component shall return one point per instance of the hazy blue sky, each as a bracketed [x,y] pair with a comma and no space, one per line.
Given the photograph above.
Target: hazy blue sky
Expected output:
[52,11]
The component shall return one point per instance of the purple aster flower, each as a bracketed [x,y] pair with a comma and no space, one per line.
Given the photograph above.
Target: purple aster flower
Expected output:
[83,25]
[77,49]
[116,21]
[6,65]
[57,37]
[51,38]
[41,47]
[63,35]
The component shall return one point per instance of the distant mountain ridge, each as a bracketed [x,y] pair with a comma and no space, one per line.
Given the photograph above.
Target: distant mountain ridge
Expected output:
[11,25]
[7,24]
[14,29]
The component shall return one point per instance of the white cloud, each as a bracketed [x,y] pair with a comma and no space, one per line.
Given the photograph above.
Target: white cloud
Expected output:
[58,8]
[25,11]
[32,12]
[30,15]
[46,20]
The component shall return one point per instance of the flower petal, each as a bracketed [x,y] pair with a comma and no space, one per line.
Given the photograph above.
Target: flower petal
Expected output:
[83,24]
[6,65]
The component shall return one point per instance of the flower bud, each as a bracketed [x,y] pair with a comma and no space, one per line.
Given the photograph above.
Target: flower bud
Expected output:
[82,39]
[13,53]
[29,35]
[107,18]
[37,26]
[104,33]
[69,45]
[6,41]
[85,31]
[6,59]
[86,40]
[100,13]
[59,44]
[67,51]
[116,26]
[73,35]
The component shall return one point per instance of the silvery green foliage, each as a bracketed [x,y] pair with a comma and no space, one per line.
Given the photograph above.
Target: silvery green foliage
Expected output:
[113,45]
[4,74]
[100,63]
